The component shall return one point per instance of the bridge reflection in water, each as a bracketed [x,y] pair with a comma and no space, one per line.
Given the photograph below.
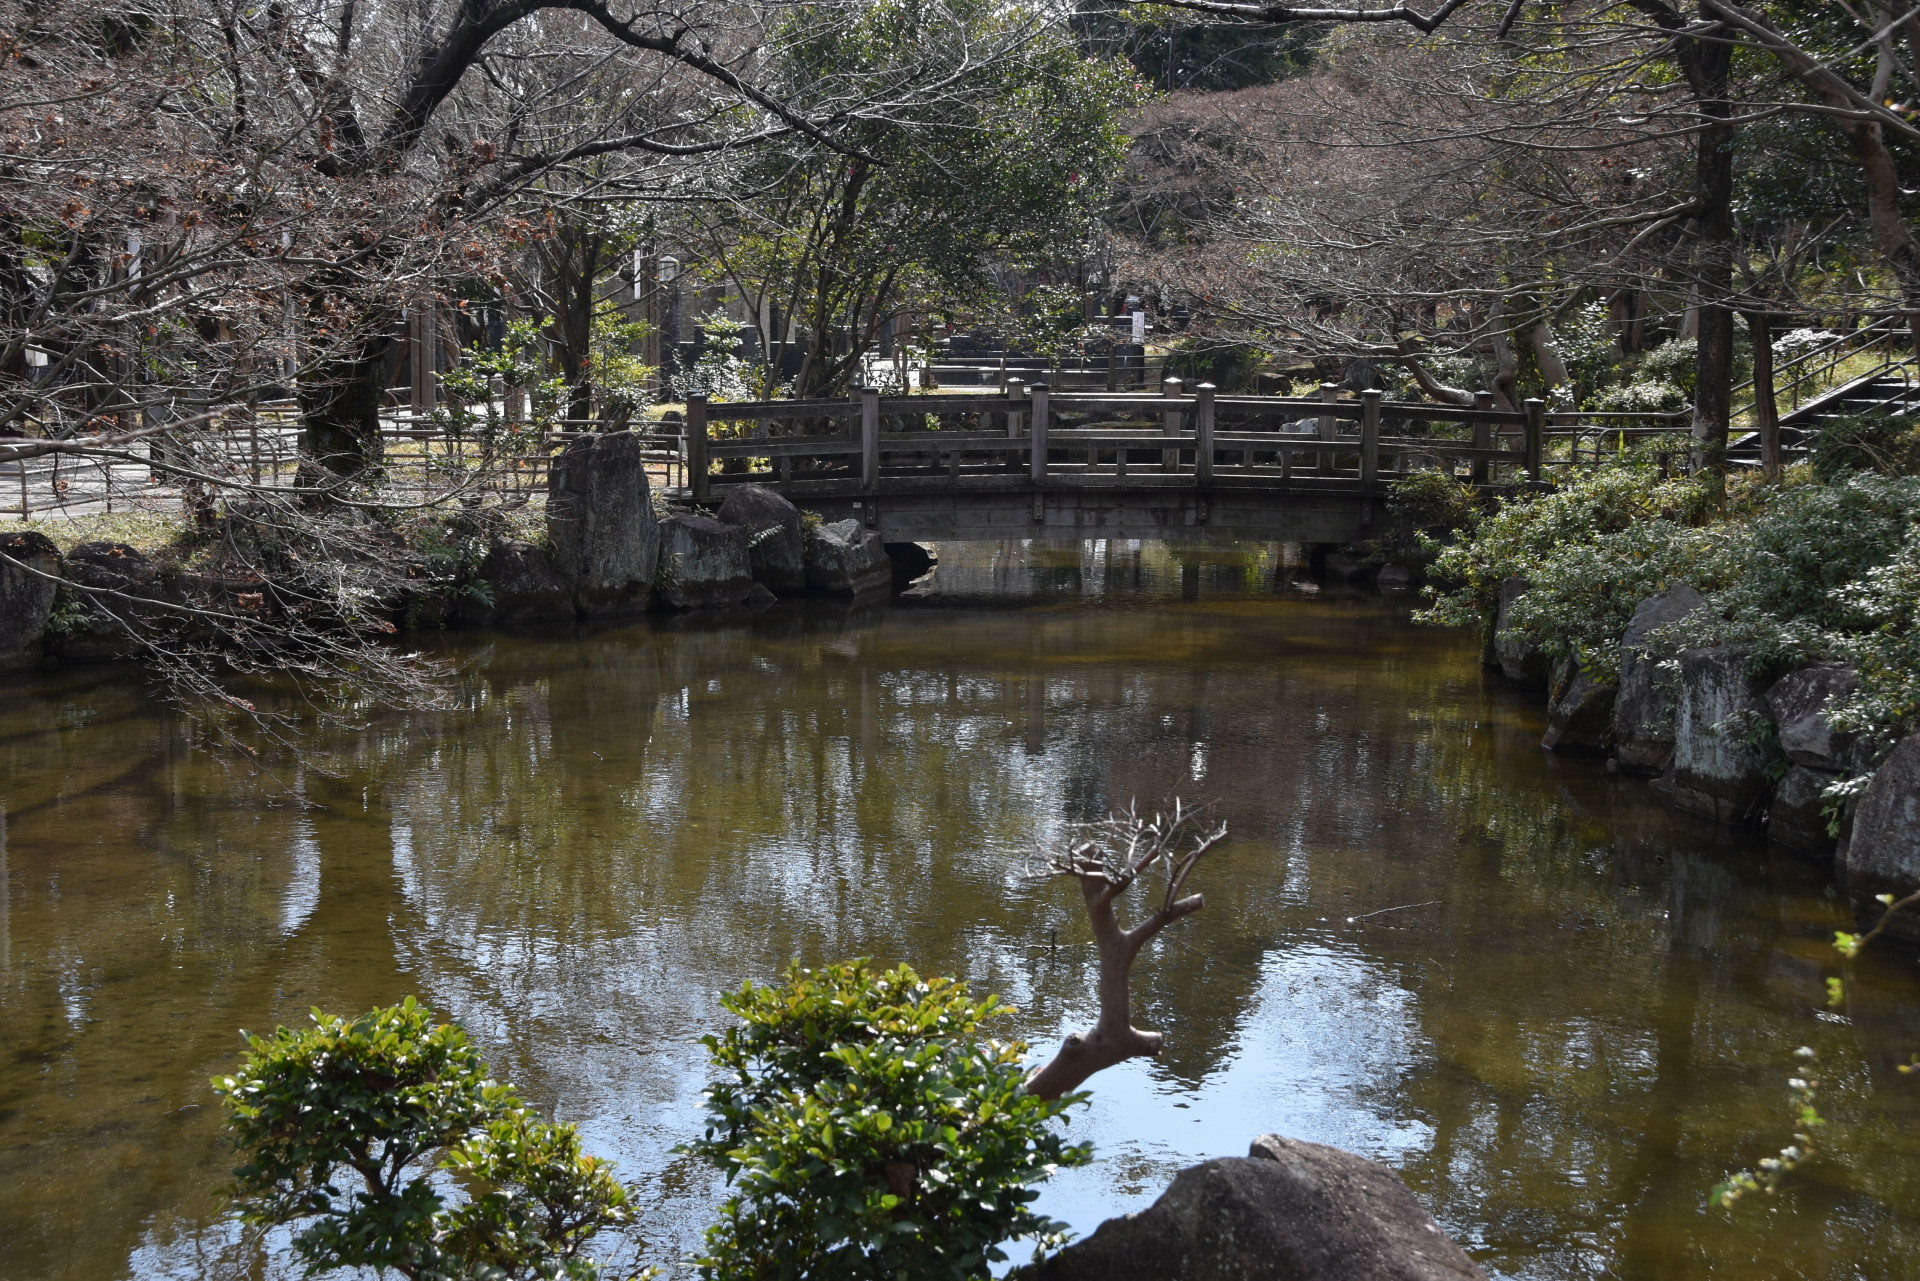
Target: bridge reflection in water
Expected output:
[1591,1024]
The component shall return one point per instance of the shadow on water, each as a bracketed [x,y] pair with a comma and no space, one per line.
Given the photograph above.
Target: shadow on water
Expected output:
[1586,1020]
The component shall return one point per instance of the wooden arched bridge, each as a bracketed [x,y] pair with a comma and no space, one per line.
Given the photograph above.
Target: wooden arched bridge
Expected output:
[1186,463]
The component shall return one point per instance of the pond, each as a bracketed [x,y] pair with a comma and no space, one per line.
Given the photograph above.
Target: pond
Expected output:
[1560,1011]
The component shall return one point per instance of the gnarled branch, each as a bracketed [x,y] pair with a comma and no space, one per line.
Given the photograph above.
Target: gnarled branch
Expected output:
[1106,858]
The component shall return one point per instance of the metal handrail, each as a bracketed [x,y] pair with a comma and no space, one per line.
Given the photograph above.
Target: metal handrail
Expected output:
[1838,348]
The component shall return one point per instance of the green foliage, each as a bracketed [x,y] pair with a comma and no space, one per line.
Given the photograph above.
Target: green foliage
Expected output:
[1008,166]
[722,373]
[622,381]
[1789,569]
[1661,381]
[872,1131]
[1884,443]
[1766,1177]
[1424,510]
[343,1125]
[1590,551]
[1174,49]
[470,411]
[1885,649]
[1794,573]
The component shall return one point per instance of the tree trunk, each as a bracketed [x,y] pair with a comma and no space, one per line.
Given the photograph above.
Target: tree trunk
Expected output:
[1707,64]
[340,402]
[1765,411]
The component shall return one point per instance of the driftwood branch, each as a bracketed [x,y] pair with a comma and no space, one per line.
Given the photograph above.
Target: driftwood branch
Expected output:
[1106,859]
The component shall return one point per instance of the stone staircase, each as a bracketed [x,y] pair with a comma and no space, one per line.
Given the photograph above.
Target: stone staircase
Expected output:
[1888,390]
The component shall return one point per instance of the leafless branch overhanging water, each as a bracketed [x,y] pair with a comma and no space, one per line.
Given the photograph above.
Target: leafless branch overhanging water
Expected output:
[1105,859]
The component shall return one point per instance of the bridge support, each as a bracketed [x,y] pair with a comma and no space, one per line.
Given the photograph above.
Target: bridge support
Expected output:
[869,438]
[1037,433]
[1203,432]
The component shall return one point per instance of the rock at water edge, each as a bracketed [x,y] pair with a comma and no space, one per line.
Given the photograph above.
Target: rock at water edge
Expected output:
[1290,1211]
[1798,702]
[703,562]
[601,524]
[1795,819]
[1394,578]
[1519,661]
[776,553]
[1647,695]
[1720,756]
[845,560]
[1883,854]
[524,587]
[108,633]
[1580,713]
[25,597]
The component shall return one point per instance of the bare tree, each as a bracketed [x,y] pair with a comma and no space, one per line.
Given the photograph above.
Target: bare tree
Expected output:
[1106,859]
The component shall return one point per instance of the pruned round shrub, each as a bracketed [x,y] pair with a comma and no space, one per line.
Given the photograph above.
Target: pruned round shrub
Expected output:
[870,1130]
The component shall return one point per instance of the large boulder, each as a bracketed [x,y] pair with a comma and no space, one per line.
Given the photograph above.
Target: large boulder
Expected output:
[1883,854]
[1579,712]
[845,560]
[25,597]
[600,521]
[1519,661]
[1289,1211]
[119,571]
[703,563]
[1647,695]
[1798,702]
[1720,751]
[523,585]
[776,553]
[1795,819]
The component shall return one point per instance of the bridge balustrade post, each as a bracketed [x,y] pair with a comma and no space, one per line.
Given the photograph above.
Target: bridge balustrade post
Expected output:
[1369,438]
[1170,458]
[697,445]
[1482,436]
[869,437]
[1037,461]
[1535,434]
[1016,390]
[1203,433]
[1329,392]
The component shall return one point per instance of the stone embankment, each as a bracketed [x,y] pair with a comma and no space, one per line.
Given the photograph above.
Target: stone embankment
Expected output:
[607,554]
[1728,747]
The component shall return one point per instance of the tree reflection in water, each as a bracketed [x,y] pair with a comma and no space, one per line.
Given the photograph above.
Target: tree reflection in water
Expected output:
[1562,1054]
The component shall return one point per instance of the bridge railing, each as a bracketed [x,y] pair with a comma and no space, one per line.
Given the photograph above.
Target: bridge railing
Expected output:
[1182,436]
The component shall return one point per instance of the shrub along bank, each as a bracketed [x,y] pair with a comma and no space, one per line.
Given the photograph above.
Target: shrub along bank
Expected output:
[1757,649]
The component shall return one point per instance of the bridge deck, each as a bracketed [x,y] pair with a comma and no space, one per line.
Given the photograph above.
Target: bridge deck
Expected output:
[1029,464]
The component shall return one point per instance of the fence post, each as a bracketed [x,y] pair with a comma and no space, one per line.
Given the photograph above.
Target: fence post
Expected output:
[1015,391]
[869,437]
[1369,437]
[1203,433]
[1535,433]
[1170,458]
[1482,436]
[1329,392]
[697,444]
[1037,432]
[1113,366]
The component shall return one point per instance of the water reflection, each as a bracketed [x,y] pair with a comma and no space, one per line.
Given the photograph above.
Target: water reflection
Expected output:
[1585,1020]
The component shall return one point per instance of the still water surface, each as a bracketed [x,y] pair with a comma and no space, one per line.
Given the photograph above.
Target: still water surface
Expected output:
[1587,1022]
